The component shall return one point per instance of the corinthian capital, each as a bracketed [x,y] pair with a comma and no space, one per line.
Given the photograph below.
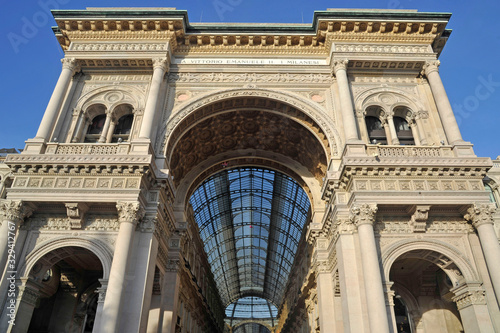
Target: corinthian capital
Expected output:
[339,65]
[71,64]
[129,211]
[480,214]
[162,63]
[15,211]
[431,66]
[363,214]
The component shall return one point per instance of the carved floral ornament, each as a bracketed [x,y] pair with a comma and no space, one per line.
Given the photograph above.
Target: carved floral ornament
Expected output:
[15,211]
[480,214]
[130,211]
[71,64]
[363,214]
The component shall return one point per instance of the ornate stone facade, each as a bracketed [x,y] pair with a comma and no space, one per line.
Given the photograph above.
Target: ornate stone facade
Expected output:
[96,213]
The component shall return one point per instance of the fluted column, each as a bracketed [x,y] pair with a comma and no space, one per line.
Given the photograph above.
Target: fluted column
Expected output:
[442,102]
[347,109]
[12,213]
[129,213]
[160,67]
[363,217]
[105,128]
[69,67]
[481,218]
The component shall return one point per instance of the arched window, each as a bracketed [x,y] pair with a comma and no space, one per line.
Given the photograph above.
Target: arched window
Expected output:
[95,128]
[403,131]
[376,131]
[491,194]
[123,127]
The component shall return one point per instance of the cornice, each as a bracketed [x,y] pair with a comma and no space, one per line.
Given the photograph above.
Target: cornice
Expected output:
[327,26]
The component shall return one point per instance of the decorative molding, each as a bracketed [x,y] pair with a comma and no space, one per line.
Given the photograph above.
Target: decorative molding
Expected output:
[118,47]
[399,49]
[466,296]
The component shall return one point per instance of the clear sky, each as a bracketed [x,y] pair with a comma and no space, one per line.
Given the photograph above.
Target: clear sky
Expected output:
[470,67]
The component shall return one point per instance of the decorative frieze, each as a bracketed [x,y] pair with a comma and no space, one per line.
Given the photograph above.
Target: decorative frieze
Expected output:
[83,182]
[275,78]
[399,49]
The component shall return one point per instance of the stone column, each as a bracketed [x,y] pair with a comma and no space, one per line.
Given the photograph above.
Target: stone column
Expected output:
[170,295]
[69,67]
[78,126]
[129,213]
[471,303]
[420,125]
[385,123]
[160,67]
[481,218]
[111,130]
[28,296]
[443,104]
[347,109]
[100,301]
[12,213]
[413,125]
[392,130]
[363,217]
[105,129]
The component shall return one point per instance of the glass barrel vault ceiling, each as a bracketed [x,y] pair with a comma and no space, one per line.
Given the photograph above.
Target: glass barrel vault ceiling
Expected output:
[250,220]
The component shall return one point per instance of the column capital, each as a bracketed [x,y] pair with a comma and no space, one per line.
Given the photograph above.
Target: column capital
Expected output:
[363,214]
[71,64]
[480,214]
[129,211]
[468,295]
[15,211]
[162,63]
[339,64]
[431,66]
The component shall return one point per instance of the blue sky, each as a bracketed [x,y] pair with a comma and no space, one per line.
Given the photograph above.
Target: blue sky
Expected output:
[469,68]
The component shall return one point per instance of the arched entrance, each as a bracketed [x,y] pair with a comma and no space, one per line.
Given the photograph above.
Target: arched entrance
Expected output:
[427,288]
[248,171]
[65,282]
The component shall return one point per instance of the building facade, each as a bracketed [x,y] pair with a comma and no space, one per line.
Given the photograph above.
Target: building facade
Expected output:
[249,178]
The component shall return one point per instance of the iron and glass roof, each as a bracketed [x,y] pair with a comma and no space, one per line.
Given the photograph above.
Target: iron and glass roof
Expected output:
[250,221]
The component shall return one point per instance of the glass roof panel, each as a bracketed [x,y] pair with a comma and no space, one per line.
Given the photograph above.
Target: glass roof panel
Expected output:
[250,221]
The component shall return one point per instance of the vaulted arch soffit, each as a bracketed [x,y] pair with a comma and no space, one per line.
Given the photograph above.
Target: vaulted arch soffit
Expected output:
[242,123]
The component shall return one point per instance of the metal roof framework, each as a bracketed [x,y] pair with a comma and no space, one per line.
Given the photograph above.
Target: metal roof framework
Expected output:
[251,221]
